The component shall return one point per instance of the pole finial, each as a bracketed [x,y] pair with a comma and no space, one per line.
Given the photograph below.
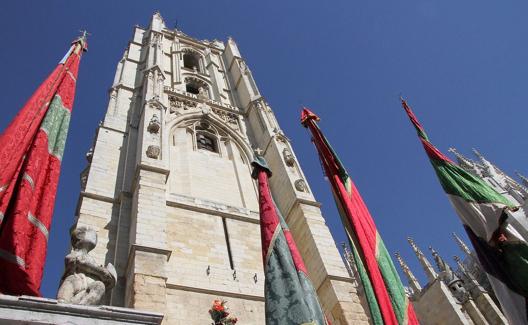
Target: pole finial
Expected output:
[82,39]
[307,115]
[84,33]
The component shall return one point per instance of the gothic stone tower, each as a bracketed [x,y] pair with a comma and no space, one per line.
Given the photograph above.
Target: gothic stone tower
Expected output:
[168,186]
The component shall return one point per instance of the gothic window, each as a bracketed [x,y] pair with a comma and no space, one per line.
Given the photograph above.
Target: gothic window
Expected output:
[197,87]
[191,60]
[191,88]
[206,141]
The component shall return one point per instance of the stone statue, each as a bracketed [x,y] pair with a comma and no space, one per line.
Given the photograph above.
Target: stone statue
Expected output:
[300,185]
[288,157]
[243,67]
[84,281]
[154,124]
[202,93]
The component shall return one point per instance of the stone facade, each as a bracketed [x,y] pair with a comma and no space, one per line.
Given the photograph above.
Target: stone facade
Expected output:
[169,191]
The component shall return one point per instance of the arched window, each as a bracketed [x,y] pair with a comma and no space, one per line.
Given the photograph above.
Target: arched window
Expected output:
[191,60]
[197,87]
[206,141]
[206,138]
[192,88]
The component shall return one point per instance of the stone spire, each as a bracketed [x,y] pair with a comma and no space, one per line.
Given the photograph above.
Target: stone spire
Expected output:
[440,263]
[523,178]
[411,279]
[488,166]
[428,268]
[479,155]
[467,164]
[450,278]
[462,245]
[462,160]
[502,183]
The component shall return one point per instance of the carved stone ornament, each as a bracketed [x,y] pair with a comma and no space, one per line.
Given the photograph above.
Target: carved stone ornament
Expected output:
[84,179]
[229,118]
[84,281]
[243,67]
[288,157]
[176,103]
[153,151]
[206,110]
[113,93]
[260,104]
[154,124]
[89,155]
[300,185]
[280,136]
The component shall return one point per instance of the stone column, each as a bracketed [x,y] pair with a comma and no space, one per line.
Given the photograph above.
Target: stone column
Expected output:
[176,68]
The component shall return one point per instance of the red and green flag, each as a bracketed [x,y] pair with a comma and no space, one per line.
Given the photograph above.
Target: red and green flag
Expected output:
[31,149]
[290,297]
[497,229]
[384,290]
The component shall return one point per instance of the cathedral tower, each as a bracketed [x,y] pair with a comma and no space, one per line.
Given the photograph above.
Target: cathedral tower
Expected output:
[169,190]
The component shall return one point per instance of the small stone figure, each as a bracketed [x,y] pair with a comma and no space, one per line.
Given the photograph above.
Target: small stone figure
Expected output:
[202,93]
[244,68]
[84,281]
[154,124]
[288,157]
[300,185]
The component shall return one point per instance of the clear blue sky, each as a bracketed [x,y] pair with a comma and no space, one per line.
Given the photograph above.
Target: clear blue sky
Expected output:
[461,64]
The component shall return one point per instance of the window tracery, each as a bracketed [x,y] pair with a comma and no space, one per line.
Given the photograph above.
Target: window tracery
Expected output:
[206,137]
[191,60]
[206,142]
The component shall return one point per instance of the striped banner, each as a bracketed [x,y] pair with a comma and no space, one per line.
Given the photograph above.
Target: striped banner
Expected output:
[384,290]
[496,228]
[289,295]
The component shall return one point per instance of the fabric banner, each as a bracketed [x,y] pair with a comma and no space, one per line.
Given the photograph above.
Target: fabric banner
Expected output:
[290,296]
[31,150]
[492,224]
[384,290]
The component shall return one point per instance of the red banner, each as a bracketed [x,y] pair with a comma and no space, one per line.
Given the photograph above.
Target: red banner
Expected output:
[31,150]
